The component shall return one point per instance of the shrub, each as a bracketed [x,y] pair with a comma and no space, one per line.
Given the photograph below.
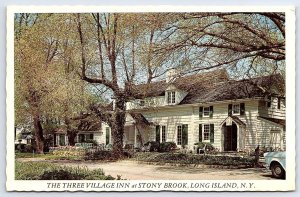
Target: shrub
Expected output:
[94,142]
[167,146]
[105,155]
[182,158]
[154,146]
[208,146]
[47,171]
[28,148]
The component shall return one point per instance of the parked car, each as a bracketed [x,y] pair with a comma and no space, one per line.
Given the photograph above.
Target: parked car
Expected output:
[275,161]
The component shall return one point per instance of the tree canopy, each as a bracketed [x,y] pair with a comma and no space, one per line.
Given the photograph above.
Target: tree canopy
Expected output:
[61,60]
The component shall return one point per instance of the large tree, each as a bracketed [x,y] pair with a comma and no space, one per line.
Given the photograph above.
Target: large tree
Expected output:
[120,50]
[47,86]
[251,42]
[117,51]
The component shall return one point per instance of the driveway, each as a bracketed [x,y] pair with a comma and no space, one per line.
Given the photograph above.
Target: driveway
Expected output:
[132,170]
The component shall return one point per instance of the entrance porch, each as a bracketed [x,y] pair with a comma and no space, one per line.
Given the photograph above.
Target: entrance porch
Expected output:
[232,134]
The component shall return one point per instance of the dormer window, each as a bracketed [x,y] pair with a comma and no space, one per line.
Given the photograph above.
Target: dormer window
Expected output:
[171,97]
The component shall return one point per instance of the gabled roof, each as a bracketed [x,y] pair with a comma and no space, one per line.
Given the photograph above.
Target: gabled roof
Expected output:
[234,119]
[215,86]
[232,89]
[186,83]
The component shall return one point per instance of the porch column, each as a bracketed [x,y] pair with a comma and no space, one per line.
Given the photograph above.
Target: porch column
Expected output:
[66,140]
[135,144]
[238,132]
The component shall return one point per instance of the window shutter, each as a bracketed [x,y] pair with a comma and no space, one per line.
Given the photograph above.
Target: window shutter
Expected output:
[278,103]
[229,109]
[211,111]
[157,133]
[212,135]
[269,101]
[200,132]
[242,108]
[200,112]
[184,134]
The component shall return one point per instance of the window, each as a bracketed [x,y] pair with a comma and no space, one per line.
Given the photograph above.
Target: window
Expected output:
[171,97]
[142,103]
[206,111]
[236,109]
[182,134]
[179,134]
[275,139]
[206,132]
[90,136]
[163,133]
[81,138]
[62,139]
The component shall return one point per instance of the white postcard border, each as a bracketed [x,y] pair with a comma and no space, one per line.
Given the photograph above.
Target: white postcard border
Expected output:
[259,185]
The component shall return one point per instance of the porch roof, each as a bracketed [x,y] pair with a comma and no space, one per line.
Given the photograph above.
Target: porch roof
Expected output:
[140,119]
[275,120]
[235,119]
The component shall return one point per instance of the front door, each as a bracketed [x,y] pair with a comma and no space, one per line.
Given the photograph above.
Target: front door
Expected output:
[230,138]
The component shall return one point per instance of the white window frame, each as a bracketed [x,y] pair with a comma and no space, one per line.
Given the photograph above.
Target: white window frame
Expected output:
[204,127]
[239,107]
[207,111]
[171,99]
[161,132]
[177,141]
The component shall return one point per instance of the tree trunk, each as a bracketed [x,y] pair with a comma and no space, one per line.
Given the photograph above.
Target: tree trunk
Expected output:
[71,137]
[39,138]
[117,127]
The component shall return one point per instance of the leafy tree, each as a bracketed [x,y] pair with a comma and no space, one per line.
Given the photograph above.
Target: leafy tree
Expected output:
[47,87]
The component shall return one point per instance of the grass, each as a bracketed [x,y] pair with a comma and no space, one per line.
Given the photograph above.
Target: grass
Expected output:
[29,155]
[48,171]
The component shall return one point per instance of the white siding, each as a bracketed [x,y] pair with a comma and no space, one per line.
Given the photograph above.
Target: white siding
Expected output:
[273,111]
[220,114]
[264,129]
[256,132]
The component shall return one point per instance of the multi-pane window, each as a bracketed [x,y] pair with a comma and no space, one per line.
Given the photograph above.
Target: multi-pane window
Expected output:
[182,134]
[205,111]
[171,97]
[236,108]
[206,132]
[179,134]
[163,133]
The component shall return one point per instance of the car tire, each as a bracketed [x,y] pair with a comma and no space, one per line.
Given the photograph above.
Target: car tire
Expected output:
[277,171]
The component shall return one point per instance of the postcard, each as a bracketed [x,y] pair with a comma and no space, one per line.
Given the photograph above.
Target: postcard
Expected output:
[150,98]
